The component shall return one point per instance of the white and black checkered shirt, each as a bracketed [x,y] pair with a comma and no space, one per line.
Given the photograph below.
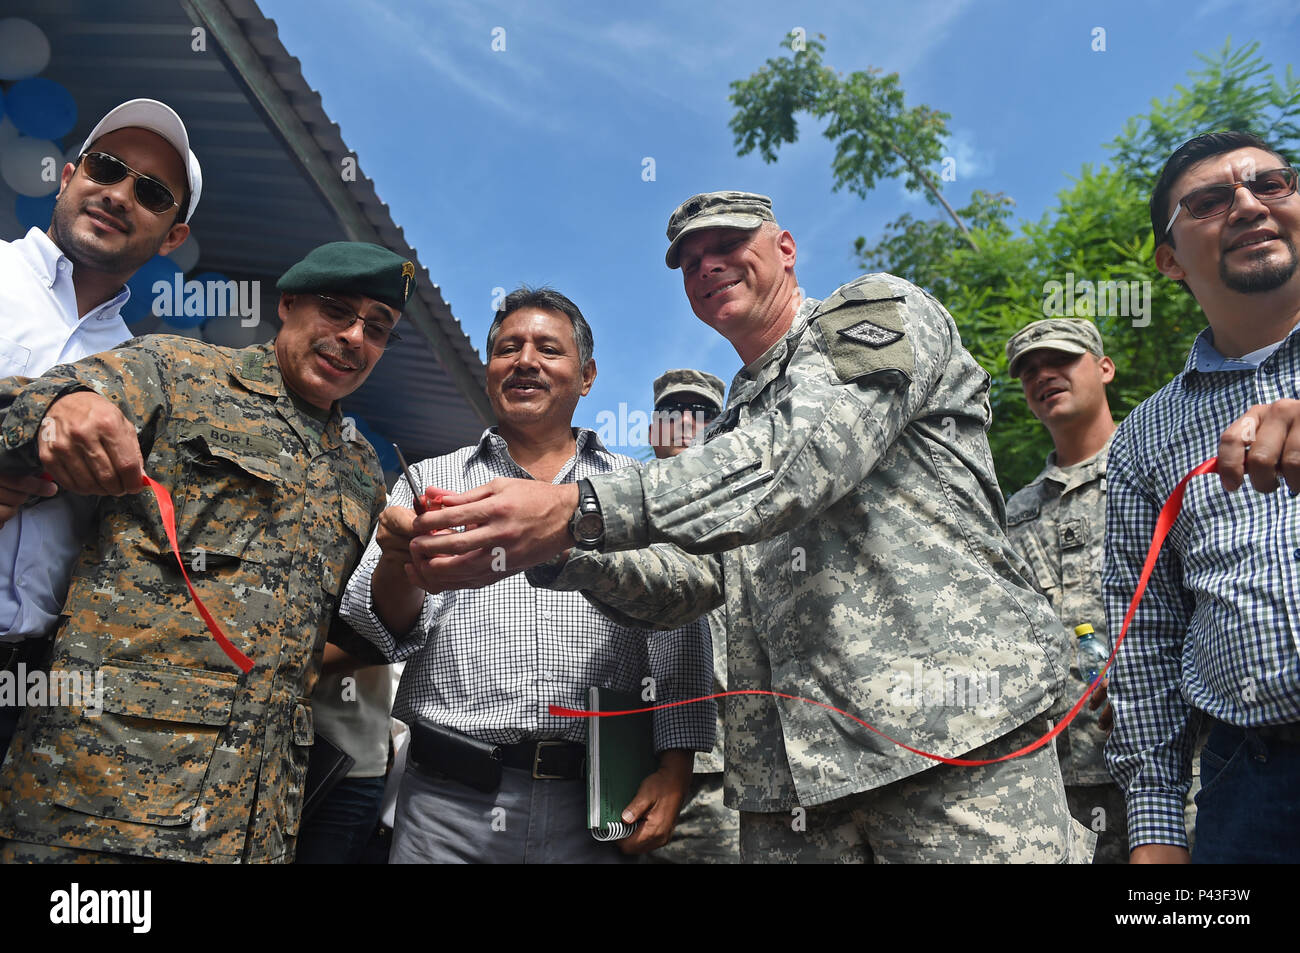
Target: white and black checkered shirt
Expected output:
[1219,626]
[488,662]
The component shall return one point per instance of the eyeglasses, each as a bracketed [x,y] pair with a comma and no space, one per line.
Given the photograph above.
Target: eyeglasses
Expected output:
[707,411]
[109,170]
[1270,186]
[340,315]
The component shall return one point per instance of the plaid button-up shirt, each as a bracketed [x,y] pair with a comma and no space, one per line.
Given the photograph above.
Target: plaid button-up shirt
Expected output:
[1217,631]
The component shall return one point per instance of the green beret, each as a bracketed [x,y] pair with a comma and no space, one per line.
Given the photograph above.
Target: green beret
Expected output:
[352,268]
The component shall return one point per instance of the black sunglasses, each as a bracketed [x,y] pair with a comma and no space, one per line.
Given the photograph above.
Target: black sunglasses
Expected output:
[708,411]
[339,314]
[1214,200]
[108,170]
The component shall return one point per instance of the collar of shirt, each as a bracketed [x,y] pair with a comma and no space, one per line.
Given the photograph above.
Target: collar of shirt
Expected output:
[49,265]
[1080,474]
[1206,359]
[759,372]
[494,453]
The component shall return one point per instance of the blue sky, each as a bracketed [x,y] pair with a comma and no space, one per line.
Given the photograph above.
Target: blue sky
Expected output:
[525,165]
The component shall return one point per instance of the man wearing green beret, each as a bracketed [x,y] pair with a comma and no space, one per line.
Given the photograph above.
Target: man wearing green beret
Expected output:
[183,749]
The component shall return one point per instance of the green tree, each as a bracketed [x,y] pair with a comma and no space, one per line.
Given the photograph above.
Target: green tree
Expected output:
[995,277]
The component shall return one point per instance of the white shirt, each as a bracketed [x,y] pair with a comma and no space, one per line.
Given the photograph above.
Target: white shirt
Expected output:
[40,328]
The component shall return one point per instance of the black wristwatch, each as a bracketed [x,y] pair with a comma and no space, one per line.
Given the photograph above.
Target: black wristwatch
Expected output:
[587,527]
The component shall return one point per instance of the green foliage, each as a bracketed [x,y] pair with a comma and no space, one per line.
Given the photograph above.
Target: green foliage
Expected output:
[1098,230]
[875,135]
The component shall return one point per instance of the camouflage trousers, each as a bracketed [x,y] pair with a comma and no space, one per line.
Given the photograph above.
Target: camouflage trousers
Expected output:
[707,831]
[1101,807]
[1010,812]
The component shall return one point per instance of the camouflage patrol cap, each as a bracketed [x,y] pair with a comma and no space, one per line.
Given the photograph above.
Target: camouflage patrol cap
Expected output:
[686,381]
[1071,335]
[352,268]
[743,210]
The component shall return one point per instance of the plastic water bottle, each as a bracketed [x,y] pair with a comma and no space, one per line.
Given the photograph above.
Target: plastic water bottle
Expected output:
[1093,656]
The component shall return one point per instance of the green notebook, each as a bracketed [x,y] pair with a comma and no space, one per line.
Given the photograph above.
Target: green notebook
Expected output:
[620,755]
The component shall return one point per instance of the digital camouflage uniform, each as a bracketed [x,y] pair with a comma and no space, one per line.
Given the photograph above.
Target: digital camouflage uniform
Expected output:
[190,759]
[707,831]
[850,491]
[1058,522]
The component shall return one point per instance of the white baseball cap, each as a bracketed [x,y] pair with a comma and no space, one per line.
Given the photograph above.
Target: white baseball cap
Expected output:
[157,118]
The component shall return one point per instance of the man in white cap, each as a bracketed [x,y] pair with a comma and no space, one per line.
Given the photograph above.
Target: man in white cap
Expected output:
[129,196]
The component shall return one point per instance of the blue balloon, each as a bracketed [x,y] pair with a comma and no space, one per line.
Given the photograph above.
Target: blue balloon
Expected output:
[41,108]
[143,299]
[35,212]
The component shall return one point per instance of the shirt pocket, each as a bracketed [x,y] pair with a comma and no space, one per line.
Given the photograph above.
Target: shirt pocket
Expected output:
[14,358]
[338,561]
[226,500]
[145,754]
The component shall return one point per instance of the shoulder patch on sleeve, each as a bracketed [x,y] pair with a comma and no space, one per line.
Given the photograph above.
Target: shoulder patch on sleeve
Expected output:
[867,337]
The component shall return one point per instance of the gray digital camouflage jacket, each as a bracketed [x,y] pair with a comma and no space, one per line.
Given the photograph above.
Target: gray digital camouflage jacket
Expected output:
[848,497]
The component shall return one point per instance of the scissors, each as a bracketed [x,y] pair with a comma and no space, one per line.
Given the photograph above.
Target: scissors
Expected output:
[406,471]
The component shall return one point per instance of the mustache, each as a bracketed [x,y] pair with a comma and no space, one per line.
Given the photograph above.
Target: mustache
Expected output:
[342,357]
[117,212]
[521,379]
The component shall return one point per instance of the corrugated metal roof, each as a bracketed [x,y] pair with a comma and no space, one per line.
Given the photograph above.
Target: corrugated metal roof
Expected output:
[272,189]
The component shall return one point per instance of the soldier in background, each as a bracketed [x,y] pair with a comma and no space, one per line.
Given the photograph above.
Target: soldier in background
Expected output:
[1057,523]
[180,755]
[847,497]
[687,401]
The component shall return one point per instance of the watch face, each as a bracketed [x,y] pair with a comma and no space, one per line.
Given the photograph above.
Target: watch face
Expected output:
[589,526]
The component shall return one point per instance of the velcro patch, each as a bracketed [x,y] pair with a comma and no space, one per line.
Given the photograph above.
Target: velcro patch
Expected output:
[866,338]
[872,335]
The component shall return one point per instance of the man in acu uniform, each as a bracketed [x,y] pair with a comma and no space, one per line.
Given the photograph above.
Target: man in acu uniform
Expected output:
[1057,523]
[182,756]
[847,497]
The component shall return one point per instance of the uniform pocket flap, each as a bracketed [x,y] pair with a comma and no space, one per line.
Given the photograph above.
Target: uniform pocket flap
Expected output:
[252,453]
[304,730]
[187,695]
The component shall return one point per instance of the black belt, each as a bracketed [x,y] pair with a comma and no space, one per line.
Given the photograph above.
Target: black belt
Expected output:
[546,760]
[33,652]
[1285,734]
[438,750]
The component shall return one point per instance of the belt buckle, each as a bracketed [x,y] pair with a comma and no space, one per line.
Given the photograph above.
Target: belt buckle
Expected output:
[537,761]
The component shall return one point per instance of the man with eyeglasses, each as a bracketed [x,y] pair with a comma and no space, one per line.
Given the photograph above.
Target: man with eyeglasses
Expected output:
[686,401]
[186,749]
[128,197]
[1214,642]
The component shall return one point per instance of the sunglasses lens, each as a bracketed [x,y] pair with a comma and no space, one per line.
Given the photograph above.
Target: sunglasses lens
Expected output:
[153,195]
[102,168]
[107,170]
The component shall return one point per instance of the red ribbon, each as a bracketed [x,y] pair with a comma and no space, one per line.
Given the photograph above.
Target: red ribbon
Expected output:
[168,513]
[1164,523]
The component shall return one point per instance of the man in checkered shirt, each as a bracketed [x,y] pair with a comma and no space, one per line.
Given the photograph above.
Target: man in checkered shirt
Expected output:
[487,662]
[1215,637]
